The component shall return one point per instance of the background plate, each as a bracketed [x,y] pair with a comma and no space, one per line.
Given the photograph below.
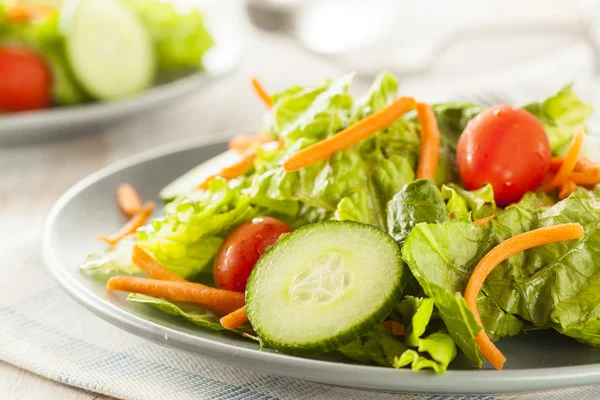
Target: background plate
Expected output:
[536,361]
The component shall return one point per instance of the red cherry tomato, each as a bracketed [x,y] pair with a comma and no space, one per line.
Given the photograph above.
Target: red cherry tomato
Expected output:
[242,249]
[25,80]
[506,147]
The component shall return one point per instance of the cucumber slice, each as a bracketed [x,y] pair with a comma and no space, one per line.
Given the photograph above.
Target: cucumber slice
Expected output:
[191,179]
[108,49]
[324,285]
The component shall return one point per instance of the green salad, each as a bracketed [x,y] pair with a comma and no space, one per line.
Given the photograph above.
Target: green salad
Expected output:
[78,51]
[394,232]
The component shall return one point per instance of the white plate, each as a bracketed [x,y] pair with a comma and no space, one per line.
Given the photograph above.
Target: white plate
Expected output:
[536,361]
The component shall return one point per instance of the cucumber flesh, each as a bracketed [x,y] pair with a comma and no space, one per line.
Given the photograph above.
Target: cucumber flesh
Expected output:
[324,285]
[109,51]
[191,179]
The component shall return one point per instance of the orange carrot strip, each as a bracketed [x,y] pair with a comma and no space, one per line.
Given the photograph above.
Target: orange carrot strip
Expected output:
[484,220]
[430,142]
[131,226]
[504,250]
[583,164]
[396,327]
[566,189]
[151,267]
[220,301]
[568,165]
[128,199]
[241,143]
[261,92]
[350,136]
[582,179]
[235,319]
[235,170]
[27,12]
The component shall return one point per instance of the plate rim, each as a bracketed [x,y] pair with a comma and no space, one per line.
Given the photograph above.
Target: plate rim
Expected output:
[327,372]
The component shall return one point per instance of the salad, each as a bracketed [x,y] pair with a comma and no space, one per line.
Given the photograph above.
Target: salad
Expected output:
[389,230]
[93,50]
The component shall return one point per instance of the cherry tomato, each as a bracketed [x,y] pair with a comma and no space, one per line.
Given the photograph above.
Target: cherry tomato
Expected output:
[506,147]
[242,249]
[25,80]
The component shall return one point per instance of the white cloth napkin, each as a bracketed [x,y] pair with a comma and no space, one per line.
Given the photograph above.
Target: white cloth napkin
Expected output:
[44,331]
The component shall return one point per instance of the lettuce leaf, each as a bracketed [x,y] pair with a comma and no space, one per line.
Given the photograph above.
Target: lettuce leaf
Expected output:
[116,260]
[479,203]
[434,351]
[548,286]
[188,237]
[561,114]
[417,202]
[180,36]
[191,312]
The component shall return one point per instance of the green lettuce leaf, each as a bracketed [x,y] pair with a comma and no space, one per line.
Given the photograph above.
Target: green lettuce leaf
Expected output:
[561,114]
[188,237]
[116,260]
[480,203]
[434,351]
[191,312]
[419,201]
[180,36]
[548,286]
[44,36]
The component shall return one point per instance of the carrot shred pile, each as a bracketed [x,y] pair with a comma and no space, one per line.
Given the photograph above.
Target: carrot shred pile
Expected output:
[568,164]
[503,251]
[350,136]
[131,226]
[219,301]
[128,199]
[261,92]
[235,319]
[430,142]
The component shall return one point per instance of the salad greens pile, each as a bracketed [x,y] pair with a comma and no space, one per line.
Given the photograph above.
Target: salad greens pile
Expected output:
[549,287]
[177,40]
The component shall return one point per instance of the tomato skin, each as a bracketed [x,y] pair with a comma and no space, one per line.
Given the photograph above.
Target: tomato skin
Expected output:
[25,80]
[506,147]
[241,250]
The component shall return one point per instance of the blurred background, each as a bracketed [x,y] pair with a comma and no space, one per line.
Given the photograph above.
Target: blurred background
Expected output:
[487,52]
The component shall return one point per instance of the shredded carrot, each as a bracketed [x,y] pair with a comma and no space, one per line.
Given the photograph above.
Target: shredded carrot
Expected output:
[131,226]
[151,267]
[235,170]
[396,327]
[568,164]
[350,136]
[566,189]
[484,220]
[582,179]
[261,92]
[504,250]
[430,142]
[241,143]
[235,319]
[128,199]
[583,164]
[220,301]
[27,12]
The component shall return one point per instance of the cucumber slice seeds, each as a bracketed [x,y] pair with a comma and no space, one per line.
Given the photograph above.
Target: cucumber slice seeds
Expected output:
[324,285]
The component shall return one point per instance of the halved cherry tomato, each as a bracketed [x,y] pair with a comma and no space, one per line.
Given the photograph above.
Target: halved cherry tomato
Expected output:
[25,80]
[241,250]
[506,147]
